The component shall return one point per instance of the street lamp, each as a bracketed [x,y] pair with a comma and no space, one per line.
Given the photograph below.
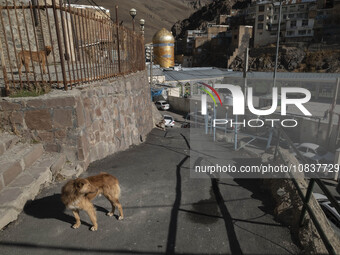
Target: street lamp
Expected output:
[142,23]
[133,14]
[277,43]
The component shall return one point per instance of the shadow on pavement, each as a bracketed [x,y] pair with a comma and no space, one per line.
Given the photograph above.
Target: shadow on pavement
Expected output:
[49,207]
[204,211]
[172,232]
[76,250]
[254,185]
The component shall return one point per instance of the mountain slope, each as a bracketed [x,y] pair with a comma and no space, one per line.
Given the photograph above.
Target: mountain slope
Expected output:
[207,13]
[156,13]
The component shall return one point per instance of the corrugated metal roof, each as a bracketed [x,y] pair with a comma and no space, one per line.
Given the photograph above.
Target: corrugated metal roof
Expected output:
[194,74]
[156,70]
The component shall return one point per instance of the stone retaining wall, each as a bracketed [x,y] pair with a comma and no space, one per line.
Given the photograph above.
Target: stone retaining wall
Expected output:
[87,123]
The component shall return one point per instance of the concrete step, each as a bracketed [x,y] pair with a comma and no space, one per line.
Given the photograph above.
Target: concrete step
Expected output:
[27,185]
[7,141]
[15,160]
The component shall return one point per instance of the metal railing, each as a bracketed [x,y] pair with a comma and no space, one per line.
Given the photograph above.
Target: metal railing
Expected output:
[305,198]
[62,46]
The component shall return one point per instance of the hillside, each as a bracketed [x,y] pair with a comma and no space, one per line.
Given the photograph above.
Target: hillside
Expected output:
[207,13]
[156,13]
[294,57]
[323,59]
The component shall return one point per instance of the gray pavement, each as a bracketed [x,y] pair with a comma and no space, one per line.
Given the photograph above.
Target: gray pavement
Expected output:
[166,211]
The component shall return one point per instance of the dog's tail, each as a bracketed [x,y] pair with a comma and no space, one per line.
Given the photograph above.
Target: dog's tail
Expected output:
[118,191]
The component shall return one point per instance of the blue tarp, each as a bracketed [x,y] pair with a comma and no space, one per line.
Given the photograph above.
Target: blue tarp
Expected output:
[156,92]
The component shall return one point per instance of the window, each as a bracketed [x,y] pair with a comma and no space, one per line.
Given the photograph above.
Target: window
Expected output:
[260,18]
[290,33]
[293,23]
[235,37]
[284,9]
[309,31]
[260,26]
[284,16]
[291,16]
[302,32]
[301,7]
[275,17]
[321,151]
[261,8]
[292,8]
[303,149]
[305,23]
[273,33]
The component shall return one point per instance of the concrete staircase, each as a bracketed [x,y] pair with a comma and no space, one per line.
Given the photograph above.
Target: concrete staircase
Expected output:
[24,169]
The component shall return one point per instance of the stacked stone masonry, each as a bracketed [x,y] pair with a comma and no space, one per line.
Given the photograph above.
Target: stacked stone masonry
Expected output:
[87,123]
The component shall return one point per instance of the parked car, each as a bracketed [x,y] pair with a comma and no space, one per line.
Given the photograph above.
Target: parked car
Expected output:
[315,152]
[169,121]
[162,105]
[330,212]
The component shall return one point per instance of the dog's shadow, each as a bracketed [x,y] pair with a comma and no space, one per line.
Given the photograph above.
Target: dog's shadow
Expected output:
[49,207]
[102,209]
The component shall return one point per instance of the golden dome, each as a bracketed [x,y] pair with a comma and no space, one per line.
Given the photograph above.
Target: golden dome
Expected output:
[163,36]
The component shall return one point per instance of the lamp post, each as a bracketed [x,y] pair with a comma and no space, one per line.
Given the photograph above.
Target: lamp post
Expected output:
[277,44]
[142,23]
[133,14]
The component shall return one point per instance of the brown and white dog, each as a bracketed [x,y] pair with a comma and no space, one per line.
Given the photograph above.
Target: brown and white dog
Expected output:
[24,58]
[77,195]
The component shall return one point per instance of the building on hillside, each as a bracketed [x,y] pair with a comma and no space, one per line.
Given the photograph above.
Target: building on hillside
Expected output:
[327,20]
[222,19]
[189,40]
[213,30]
[241,37]
[212,51]
[185,61]
[296,21]
[200,47]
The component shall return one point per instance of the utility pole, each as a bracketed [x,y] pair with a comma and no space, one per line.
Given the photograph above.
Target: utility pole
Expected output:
[245,70]
[277,43]
[330,123]
[151,64]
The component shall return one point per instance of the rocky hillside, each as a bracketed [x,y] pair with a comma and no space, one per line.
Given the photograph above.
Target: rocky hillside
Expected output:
[292,59]
[156,13]
[298,57]
[199,18]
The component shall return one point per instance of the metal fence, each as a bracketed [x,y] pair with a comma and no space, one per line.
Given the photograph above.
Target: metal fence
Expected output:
[305,197]
[62,46]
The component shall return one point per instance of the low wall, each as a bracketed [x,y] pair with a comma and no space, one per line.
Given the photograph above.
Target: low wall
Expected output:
[179,104]
[87,123]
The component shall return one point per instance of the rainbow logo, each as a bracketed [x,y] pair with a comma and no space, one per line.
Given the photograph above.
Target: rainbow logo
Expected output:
[204,99]
[213,90]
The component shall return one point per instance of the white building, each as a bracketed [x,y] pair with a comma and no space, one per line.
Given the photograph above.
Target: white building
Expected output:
[296,22]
